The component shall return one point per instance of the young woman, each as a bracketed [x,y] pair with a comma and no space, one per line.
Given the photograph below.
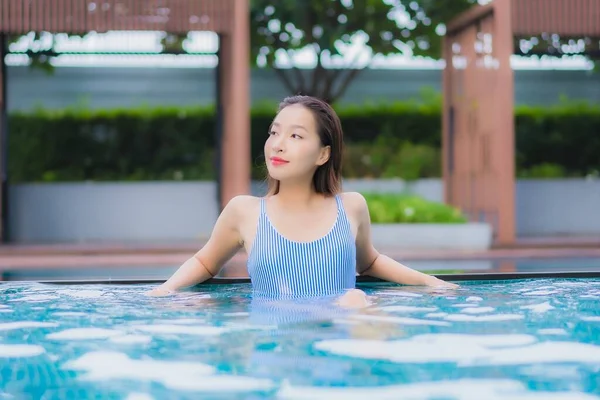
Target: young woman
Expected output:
[304,238]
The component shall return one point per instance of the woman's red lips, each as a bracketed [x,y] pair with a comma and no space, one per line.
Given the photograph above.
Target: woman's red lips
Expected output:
[278,161]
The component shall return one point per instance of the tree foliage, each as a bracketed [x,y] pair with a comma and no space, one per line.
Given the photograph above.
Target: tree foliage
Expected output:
[554,45]
[283,29]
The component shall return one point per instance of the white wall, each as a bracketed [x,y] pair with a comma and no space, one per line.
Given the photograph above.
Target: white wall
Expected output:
[80,212]
[165,211]
[558,207]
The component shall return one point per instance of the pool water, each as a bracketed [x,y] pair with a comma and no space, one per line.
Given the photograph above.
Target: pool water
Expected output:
[522,339]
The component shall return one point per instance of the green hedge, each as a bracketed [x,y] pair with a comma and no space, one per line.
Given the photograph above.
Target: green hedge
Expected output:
[383,140]
[398,208]
[561,140]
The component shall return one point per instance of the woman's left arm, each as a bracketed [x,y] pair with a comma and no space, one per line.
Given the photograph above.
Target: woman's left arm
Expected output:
[371,262]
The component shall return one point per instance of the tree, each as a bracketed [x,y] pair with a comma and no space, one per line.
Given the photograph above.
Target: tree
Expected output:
[326,28]
[554,45]
[40,47]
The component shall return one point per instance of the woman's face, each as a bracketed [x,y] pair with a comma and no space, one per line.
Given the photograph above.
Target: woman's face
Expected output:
[293,149]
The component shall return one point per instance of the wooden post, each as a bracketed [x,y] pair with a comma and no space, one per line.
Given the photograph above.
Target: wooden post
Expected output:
[3,143]
[447,120]
[503,117]
[235,97]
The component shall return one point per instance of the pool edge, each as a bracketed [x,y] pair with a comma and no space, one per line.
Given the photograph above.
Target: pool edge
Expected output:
[359,279]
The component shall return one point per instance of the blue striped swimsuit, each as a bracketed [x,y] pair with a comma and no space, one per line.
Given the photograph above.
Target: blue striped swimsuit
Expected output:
[279,267]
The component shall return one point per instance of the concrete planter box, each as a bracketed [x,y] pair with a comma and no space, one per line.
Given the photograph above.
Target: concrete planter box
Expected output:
[469,236]
[186,211]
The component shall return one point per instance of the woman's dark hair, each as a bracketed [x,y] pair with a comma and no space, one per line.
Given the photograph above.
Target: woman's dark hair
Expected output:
[328,177]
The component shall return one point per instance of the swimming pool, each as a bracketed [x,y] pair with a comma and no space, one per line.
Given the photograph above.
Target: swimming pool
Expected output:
[518,339]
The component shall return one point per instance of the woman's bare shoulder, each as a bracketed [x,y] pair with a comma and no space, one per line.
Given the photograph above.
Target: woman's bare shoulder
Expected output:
[244,200]
[354,203]
[354,200]
[241,204]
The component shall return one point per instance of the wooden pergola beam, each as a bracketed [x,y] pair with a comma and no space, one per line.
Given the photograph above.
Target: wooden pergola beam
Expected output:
[570,18]
[82,16]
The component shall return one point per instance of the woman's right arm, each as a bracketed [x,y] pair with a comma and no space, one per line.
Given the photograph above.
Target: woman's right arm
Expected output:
[224,242]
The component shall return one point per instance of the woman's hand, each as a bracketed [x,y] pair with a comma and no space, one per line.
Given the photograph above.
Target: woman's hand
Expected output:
[439,283]
[354,298]
[160,291]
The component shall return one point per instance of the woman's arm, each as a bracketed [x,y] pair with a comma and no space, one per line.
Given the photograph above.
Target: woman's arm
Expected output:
[371,262]
[224,242]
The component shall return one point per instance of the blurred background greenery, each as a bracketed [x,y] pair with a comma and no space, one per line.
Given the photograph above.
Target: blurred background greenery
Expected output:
[388,140]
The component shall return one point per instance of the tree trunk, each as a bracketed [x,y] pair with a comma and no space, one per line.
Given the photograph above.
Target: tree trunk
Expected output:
[327,85]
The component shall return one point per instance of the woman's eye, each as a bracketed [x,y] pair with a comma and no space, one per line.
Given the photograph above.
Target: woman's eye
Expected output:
[271,133]
[295,135]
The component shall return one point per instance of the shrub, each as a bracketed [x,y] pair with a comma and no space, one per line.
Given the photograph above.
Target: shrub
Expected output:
[400,208]
[400,139]
[543,171]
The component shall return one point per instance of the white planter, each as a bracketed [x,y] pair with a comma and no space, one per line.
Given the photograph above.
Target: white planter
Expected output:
[80,212]
[469,236]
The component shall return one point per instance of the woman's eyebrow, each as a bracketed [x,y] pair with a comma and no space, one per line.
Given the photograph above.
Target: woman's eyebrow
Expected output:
[277,125]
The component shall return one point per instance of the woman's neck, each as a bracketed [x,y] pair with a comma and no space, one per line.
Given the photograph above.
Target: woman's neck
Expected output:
[300,195]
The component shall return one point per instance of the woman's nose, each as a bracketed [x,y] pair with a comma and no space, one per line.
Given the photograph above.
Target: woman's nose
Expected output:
[278,144]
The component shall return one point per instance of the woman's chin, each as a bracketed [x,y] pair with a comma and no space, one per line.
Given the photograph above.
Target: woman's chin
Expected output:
[277,175]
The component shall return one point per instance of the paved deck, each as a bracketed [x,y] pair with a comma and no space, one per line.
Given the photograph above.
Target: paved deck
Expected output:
[163,254]
[157,261]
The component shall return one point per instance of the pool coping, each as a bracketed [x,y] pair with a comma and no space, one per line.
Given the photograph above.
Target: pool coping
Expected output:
[359,279]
